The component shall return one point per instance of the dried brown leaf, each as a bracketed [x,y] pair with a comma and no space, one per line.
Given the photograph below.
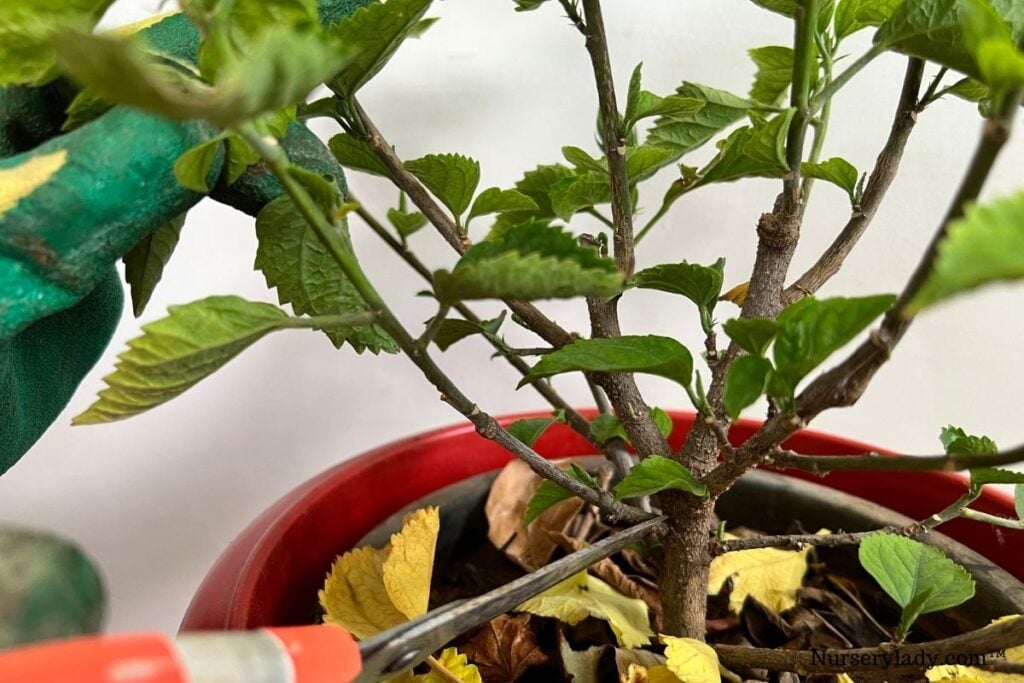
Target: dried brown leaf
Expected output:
[504,648]
[530,548]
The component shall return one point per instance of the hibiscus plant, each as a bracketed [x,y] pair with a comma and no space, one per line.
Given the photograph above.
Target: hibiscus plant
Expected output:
[259,59]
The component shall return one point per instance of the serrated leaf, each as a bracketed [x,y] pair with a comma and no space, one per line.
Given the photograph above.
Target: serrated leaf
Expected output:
[756,151]
[644,161]
[812,329]
[656,473]
[983,247]
[700,284]
[982,476]
[579,192]
[406,223]
[649,354]
[691,661]
[970,90]
[356,155]
[549,493]
[774,72]
[753,335]
[297,264]
[933,30]
[641,104]
[496,200]
[193,168]
[746,382]
[374,31]
[583,161]
[530,429]
[684,133]
[175,353]
[144,264]
[530,261]
[370,590]
[538,183]
[771,575]
[279,69]
[452,178]
[920,578]
[27,32]
[456,664]
[956,440]
[837,171]
[583,596]
[854,15]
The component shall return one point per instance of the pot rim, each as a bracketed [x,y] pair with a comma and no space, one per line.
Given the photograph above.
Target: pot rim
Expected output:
[229,596]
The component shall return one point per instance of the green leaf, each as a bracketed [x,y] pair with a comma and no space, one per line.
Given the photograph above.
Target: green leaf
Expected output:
[956,440]
[700,284]
[837,171]
[983,247]
[745,383]
[278,70]
[240,156]
[756,151]
[496,200]
[753,335]
[580,192]
[538,184]
[933,30]
[970,90]
[657,473]
[27,31]
[607,426]
[774,73]
[583,161]
[454,330]
[452,178]
[989,40]
[374,31]
[641,104]
[528,5]
[84,108]
[144,264]
[406,223]
[920,578]
[529,261]
[178,351]
[980,476]
[854,15]
[650,354]
[787,8]
[1018,500]
[812,329]
[296,263]
[684,133]
[549,493]
[644,161]
[193,168]
[356,155]
[530,429]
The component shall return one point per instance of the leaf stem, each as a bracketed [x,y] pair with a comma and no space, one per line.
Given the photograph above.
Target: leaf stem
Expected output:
[829,91]
[326,322]
[486,425]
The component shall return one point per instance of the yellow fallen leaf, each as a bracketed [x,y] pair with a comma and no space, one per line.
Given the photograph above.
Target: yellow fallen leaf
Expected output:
[772,576]
[408,569]
[968,674]
[582,596]
[457,665]
[370,590]
[691,661]
[22,180]
[661,674]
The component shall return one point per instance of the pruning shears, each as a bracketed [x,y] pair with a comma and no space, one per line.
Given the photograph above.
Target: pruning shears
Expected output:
[299,654]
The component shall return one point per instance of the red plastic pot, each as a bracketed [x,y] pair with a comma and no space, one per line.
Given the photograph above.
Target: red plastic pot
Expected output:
[268,575]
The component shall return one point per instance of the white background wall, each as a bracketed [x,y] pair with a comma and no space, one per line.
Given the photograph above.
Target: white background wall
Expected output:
[157,498]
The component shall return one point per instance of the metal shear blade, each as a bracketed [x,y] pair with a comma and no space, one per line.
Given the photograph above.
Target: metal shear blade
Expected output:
[403,647]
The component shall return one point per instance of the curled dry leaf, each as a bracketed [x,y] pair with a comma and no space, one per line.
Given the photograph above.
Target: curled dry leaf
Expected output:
[529,547]
[370,590]
[505,647]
